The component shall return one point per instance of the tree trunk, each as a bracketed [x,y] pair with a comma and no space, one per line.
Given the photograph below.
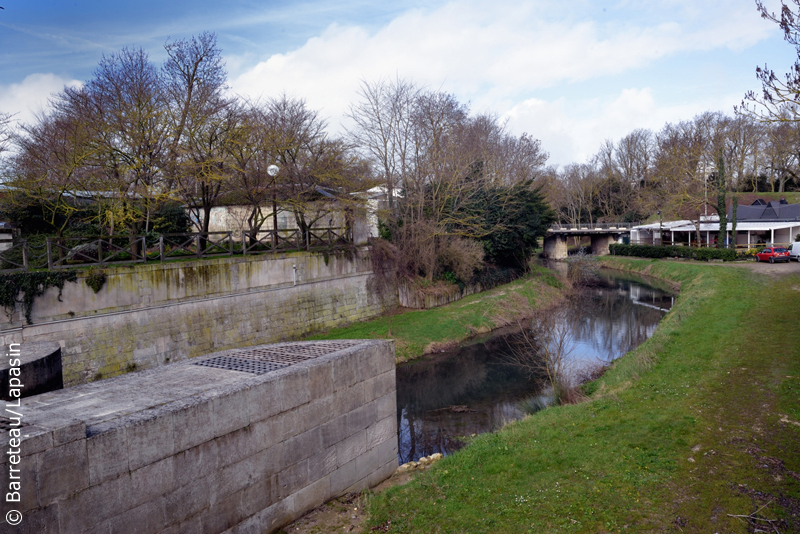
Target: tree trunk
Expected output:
[734,206]
[721,210]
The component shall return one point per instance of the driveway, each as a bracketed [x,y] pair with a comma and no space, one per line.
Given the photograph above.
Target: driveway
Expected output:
[772,269]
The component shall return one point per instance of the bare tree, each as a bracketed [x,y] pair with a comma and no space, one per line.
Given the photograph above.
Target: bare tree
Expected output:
[205,168]
[779,97]
[383,129]
[50,168]
[194,80]
[544,348]
[252,180]
[782,154]
[201,123]
[634,157]
[5,131]
[745,140]
[314,169]
[577,200]
[682,171]
[124,106]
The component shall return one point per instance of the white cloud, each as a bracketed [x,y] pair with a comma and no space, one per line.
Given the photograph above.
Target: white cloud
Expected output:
[29,97]
[498,58]
[572,131]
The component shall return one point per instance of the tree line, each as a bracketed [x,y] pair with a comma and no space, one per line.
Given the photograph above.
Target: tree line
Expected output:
[136,138]
[459,189]
[675,170]
[113,155]
[456,189]
[686,168]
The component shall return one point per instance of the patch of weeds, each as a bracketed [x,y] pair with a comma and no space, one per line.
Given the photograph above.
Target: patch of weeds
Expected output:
[96,280]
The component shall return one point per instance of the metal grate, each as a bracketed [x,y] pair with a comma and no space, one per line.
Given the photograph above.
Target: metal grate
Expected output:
[7,424]
[241,364]
[261,360]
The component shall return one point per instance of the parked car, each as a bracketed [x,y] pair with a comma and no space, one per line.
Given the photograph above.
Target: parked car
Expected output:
[773,254]
[794,251]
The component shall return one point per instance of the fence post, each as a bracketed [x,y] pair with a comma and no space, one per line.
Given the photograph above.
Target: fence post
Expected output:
[49,254]
[161,247]
[230,242]
[25,255]
[197,245]
[144,249]
[308,241]
[100,250]
[244,243]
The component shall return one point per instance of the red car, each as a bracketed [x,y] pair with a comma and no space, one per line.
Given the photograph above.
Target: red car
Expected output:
[773,254]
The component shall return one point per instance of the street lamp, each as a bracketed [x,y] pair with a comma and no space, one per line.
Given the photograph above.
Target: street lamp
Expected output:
[660,234]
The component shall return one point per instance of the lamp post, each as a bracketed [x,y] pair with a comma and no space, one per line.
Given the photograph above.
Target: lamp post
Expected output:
[660,234]
[273,170]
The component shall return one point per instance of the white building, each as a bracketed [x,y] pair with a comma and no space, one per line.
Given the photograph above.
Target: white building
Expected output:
[756,225]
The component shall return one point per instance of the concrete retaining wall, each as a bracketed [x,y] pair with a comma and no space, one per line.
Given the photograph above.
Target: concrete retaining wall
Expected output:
[149,315]
[189,448]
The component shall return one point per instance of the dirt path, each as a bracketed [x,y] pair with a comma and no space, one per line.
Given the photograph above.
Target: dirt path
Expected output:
[772,269]
[345,514]
[746,476]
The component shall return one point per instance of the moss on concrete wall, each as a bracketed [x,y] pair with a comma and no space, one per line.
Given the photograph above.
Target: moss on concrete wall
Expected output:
[148,315]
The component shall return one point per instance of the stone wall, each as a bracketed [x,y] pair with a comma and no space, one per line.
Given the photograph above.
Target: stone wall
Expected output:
[192,448]
[149,315]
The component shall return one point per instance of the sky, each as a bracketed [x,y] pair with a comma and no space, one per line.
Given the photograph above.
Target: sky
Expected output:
[572,73]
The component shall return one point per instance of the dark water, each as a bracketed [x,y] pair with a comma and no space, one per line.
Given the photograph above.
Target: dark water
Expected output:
[474,389]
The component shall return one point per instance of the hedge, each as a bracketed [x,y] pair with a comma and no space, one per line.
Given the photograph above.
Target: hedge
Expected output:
[650,251]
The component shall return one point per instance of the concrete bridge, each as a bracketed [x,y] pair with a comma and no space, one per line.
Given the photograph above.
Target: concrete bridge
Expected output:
[602,235]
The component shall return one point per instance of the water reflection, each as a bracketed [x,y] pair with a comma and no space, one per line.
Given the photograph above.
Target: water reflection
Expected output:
[472,390]
[614,316]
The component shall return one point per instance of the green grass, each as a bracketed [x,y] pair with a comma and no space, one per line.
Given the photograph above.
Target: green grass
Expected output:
[679,435]
[417,332]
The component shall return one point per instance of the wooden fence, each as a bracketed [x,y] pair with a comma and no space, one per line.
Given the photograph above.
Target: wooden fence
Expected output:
[66,252]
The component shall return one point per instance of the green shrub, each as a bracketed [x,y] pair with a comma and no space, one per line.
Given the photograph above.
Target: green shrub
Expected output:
[171,219]
[651,251]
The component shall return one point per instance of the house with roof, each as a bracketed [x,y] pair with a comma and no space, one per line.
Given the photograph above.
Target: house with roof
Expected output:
[775,222]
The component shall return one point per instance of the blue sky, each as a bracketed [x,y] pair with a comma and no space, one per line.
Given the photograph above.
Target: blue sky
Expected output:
[571,73]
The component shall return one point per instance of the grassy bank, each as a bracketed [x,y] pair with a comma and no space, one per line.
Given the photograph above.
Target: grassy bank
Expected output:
[418,332]
[698,430]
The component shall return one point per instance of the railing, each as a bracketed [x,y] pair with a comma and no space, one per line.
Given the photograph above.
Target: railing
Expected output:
[199,245]
[66,252]
[273,241]
[591,226]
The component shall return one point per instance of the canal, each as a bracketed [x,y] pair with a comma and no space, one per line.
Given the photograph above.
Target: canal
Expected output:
[477,388]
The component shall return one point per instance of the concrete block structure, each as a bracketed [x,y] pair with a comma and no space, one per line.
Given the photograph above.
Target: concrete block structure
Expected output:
[240,441]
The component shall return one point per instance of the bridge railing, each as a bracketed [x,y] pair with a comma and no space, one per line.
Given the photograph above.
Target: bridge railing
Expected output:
[592,226]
